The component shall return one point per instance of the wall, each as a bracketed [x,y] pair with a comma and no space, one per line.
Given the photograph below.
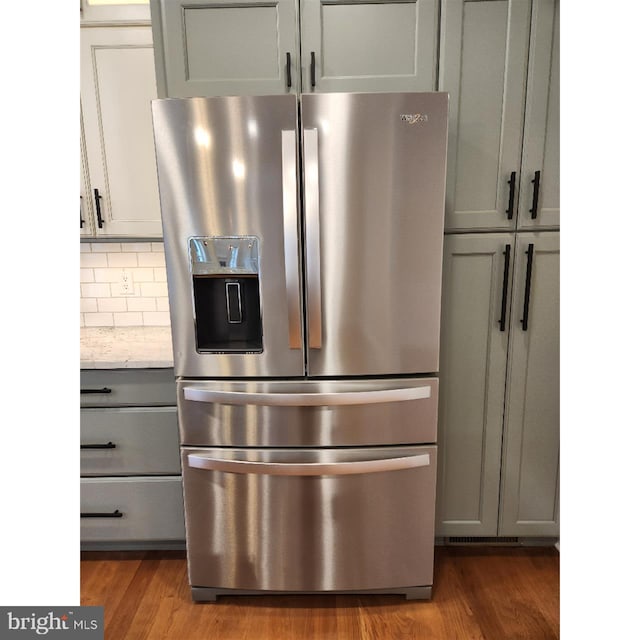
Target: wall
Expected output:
[102,301]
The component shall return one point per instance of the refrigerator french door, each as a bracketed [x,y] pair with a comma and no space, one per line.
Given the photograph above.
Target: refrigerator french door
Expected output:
[303,241]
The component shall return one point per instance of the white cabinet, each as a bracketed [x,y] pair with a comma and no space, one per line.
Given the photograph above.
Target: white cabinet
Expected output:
[117,84]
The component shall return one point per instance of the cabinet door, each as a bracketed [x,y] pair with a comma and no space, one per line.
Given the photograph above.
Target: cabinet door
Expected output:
[358,46]
[472,378]
[226,47]
[541,150]
[483,67]
[117,84]
[530,468]
[86,208]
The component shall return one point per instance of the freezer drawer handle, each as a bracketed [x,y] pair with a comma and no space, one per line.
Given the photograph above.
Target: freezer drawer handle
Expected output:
[290,225]
[103,390]
[307,399]
[308,468]
[107,445]
[96,514]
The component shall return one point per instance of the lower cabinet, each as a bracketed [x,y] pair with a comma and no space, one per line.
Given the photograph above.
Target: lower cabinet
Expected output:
[498,434]
[131,484]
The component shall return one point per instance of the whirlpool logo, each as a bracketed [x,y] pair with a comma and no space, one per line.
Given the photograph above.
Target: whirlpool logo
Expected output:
[35,622]
[413,118]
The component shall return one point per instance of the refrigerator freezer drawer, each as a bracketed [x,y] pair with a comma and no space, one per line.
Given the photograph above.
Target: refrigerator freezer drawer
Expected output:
[308,413]
[310,520]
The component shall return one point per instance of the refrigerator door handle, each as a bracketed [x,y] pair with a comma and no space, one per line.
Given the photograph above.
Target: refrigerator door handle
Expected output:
[307,399]
[290,219]
[312,230]
[198,461]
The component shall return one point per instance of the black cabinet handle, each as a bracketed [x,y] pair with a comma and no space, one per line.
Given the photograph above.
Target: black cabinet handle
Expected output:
[505,285]
[512,191]
[98,197]
[108,445]
[527,289]
[103,390]
[536,191]
[97,514]
[313,68]
[288,70]
[81,219]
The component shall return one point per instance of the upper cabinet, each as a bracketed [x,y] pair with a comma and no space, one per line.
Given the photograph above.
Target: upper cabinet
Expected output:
[369,46]
[117,84]
[499,63]
[114,12]
[246,47]
[225,47]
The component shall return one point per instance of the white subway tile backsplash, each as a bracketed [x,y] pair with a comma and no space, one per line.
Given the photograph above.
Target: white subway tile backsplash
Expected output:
[153,289]
[151,259]
[102,302]
[106,247]
[88,305]
[112,304]
[155,318]
[98,320]
[142,275]
[123,259]
[95,290]
[93,260]
[127,319]
[142,304]
[160,274]
[136,247]
[107,275]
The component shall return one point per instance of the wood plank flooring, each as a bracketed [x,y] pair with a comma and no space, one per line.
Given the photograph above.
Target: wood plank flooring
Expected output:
[485,593]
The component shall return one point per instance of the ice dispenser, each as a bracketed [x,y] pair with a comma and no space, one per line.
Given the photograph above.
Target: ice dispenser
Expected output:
[226,294]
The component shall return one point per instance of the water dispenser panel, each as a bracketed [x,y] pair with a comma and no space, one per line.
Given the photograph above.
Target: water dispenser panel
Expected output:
[226,294]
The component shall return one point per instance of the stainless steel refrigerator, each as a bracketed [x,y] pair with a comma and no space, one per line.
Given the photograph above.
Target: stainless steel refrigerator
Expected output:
[303,239]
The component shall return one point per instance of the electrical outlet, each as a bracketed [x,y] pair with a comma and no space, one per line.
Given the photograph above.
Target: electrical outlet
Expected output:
[126,283]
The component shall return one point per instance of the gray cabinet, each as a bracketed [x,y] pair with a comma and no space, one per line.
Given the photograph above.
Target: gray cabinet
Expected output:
[530,469]
[246,47]
[498,458]
[369,46]
[225,47]
[499,63]
[131,483]
[117,83]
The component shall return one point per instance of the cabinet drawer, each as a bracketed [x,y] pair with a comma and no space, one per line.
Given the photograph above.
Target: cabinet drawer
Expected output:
[129,441]
[127,387]
[150,508]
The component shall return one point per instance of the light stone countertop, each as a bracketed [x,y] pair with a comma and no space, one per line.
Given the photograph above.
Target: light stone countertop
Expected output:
[125,347]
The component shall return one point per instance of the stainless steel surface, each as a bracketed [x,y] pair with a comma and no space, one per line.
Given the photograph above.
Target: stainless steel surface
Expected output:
[312,229]
[381,213]
[217,177]
[318,533]
[234,465]
[290,211]
[259,425]
[301,399]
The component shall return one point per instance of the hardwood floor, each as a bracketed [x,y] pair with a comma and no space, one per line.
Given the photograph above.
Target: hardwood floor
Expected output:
[479,593]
